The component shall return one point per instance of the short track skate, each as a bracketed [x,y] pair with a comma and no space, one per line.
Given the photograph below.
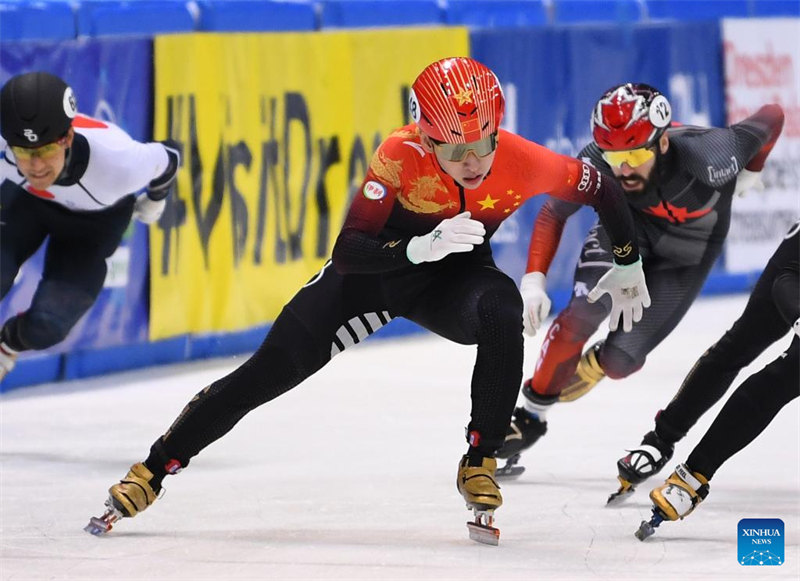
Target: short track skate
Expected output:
[647,528]
[481,529]
[624,492]
[99,525]
[510,471]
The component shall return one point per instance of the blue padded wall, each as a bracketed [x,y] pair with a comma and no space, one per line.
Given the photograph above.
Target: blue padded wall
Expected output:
[774,8]
[137,18]
[375,13]
[36,21]
[496,13]
[572,11]
[697,9]
[255,16]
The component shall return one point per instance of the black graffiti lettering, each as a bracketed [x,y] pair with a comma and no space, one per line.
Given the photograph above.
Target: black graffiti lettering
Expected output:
[405,94]
[329,155]
[175,212]
[238,155]
[267,181]
[296,110]
[206,218]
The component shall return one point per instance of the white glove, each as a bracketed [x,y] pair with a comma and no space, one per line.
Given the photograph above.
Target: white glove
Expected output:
[147,210]
[629,295]
[796,327]
[457,234]
[748,180]
[536,303]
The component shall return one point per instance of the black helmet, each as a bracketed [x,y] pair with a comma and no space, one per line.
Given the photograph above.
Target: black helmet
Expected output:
[35,109]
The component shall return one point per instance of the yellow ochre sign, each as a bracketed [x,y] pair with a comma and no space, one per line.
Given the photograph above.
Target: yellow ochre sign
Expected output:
[276,131]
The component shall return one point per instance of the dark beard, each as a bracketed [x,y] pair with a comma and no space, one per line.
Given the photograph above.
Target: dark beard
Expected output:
[652,182]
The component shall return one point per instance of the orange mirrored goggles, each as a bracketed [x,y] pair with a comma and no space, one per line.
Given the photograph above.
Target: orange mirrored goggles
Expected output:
[458,151]
[43,152]
[633,157]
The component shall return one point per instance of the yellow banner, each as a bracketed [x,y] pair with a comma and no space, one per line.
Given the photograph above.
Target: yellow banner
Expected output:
[276,132]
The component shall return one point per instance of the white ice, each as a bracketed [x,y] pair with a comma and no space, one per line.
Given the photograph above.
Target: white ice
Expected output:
[352,476]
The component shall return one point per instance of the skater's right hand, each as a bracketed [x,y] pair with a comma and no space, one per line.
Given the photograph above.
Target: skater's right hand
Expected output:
[457,234]
[748,181]
[629,295]
[148,211]
[535,300]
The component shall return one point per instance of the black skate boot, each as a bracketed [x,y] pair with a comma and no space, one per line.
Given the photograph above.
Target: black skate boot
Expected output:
[640,464]
[524,431]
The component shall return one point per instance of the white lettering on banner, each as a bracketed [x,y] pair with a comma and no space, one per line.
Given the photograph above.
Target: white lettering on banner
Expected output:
[762,65]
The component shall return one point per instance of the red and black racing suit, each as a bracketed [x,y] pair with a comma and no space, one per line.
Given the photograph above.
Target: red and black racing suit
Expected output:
[682,219]
[464,297]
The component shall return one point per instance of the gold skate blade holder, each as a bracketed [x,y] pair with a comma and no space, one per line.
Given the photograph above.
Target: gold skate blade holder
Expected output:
[624,491]
[481,529]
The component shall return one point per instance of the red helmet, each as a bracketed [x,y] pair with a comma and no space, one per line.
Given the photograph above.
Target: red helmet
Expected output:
[630,116]
[457,100]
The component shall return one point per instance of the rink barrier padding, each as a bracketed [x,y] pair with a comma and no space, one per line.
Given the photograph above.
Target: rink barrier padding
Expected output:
[114,334]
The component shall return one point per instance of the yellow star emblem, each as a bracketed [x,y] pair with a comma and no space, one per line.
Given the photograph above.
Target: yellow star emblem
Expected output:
[463,97]
[510,192]
[487,203]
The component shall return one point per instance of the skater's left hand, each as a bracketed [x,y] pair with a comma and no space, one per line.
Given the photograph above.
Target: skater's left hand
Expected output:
[629,295]
[536,303]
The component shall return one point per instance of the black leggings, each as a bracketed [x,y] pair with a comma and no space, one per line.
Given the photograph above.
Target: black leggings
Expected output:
[772,308]
[78,244]
[467,301]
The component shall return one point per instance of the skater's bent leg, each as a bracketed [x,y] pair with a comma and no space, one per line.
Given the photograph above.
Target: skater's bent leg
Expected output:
[481,307]
[287,356]
[563,345]
[748,411]
[759,326]
[498,367]
[56,308]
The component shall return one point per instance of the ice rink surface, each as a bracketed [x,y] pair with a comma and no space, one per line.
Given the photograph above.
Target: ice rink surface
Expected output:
[352,476]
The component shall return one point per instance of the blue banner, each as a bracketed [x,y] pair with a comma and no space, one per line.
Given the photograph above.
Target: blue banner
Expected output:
[112,80]
[552,78]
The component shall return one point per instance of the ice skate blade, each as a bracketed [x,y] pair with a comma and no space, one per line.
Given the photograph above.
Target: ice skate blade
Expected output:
[621,495]
[481,529]
[510,471]
[483,534]
[647,528]
[100,525]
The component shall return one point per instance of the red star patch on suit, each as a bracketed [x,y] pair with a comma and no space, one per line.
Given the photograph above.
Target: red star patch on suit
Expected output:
[675,214]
